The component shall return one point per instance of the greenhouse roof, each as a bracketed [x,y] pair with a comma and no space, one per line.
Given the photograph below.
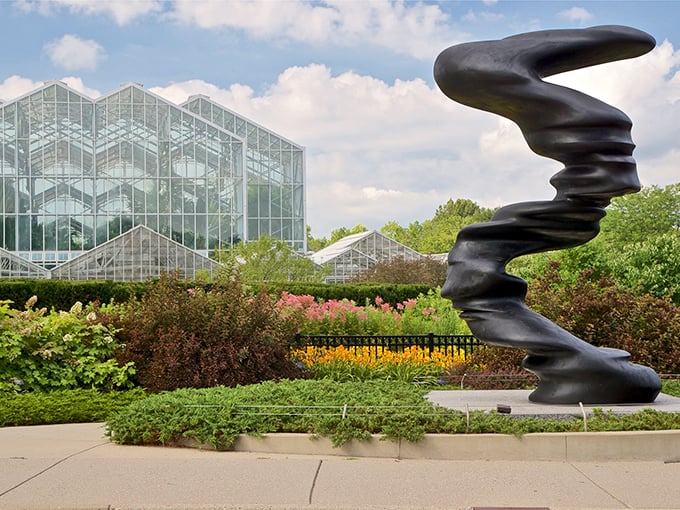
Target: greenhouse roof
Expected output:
[339,247]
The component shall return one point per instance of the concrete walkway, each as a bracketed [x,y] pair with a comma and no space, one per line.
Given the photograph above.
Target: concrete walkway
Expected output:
[75,466]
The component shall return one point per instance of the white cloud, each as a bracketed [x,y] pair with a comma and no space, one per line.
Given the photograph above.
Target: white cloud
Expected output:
[577,14]
[376,152]
[647,89]
[16,86]
[122,11]
[72,53]
[482,16]
[380,151]
[410,28]
[77,84]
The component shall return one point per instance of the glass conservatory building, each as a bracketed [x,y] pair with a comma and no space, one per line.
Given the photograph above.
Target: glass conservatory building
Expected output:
[356,253]
[78,175]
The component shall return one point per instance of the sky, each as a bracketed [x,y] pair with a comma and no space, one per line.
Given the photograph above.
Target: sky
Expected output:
[351,81]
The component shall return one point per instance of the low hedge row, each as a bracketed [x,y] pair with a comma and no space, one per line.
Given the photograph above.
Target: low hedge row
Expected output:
[360,293]
[62,294]
[66,406]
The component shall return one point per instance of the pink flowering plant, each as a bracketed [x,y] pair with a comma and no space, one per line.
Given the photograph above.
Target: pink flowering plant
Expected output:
[337,317]
[431,313]
[427,313]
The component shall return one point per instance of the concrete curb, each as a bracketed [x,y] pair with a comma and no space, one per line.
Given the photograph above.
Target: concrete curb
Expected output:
[660,446]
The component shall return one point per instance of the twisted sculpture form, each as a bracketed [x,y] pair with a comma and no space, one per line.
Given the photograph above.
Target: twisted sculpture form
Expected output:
[592,139]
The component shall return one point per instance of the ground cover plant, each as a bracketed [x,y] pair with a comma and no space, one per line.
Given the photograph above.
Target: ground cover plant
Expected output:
[80,406]
[340,411]
[671,388]
[63,406]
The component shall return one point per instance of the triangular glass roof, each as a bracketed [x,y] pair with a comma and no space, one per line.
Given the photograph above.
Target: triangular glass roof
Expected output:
[340,246]
[136,255]
[13,266]
[258,136]
[358,252]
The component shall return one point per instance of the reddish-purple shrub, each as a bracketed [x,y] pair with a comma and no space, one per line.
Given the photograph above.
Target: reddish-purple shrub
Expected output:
[596,310]
[189,337]
[426,270]
[600,312]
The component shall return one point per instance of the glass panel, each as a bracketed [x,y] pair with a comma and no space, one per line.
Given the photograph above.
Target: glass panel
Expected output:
[60,142]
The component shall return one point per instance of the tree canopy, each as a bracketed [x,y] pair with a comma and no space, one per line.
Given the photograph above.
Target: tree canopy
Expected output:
[438,234]
[638,246]
[270,260]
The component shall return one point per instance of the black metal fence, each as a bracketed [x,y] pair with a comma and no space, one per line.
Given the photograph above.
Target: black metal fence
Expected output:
[464,344]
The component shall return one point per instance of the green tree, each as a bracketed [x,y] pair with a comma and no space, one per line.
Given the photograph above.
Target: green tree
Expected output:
[439,234]
[650,266]
[638,247]
[313,243]
[341,232]
[270,260]
[637,217]
[408,236]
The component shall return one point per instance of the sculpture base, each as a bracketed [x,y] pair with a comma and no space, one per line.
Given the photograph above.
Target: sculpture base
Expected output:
[599,376]
[520,405]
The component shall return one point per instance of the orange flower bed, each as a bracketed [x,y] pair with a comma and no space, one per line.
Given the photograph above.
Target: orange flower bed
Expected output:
[374,357]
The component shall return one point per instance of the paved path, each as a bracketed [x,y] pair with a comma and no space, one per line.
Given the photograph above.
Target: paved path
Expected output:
[75,466]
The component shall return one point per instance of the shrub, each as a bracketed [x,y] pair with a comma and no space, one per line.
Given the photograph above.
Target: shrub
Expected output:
[598,311]
[42,351]
[429,313]
[426,270]
[64,406]
[182,337]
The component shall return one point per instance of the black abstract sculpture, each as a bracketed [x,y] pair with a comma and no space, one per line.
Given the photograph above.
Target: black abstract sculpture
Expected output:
[592,139]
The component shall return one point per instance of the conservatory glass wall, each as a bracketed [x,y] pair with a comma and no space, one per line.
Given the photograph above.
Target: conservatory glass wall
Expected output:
[76,173]
[274,178]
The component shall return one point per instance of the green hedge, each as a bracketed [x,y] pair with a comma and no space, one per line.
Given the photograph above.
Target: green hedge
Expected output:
[68,406]
[357,292]
[62,294]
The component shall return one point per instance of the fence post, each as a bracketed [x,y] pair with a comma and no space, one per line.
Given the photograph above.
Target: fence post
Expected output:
[430,337]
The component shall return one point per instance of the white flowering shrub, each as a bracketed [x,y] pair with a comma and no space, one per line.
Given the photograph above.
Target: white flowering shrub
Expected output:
[41,351]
